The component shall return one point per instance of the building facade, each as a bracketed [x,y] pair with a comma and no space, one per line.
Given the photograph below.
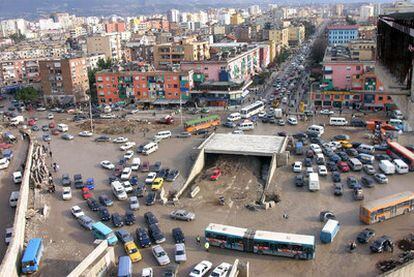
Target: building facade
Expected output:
[14,72]
[109,45]
[342,34]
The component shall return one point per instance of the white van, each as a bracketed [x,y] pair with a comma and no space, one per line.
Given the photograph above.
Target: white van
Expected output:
[233,117]
[316,129]
[149,148]
[14,197]
[387,167]
[162,135]
[118,190]
[62,127]
[17,177]
[246,125]
[355,164]
[365,148]
[136,162]
[338,121]
[313,182]
[4,163]
[400,166]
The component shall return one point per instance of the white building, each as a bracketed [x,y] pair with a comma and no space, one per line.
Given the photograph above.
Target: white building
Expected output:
[224,18]
[254,10]
[366,12]
[173,15]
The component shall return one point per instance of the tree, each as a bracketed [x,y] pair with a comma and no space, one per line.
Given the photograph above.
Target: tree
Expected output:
[318,49]
[92,85]
[309,29]
[350,20]
[28,94]
[105,64]
[17,37]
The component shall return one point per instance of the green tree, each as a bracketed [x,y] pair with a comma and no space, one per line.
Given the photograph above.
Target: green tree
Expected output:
[105,64]
[28,94]
[350,20]
[318,49]
[17,37]
[92,85]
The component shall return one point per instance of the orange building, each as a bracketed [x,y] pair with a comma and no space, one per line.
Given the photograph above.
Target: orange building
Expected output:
[115,27]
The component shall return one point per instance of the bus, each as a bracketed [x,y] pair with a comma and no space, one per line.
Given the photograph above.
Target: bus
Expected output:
[32,256]
[387,207]
[261,242]
[406,155]
[252,109]
[201,123]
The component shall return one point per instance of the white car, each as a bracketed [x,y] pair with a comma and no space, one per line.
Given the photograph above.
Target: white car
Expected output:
[67,193]
[326,112]
[315,148]
[50,116]
[150,177]
[107,116]
[147,272]
[9,235]
[41,109]
[127,187]
[85,134]
[297,167]
[292,121]
[128,154]
[261,114]
[127,146]
[201,269]
[160,255]
[237,132]
[221,271]
[120,140]
[107,165]
[77,211]
[309,170]
[126,173]
[4,163]
[180,253]
[133,203]
[322,171]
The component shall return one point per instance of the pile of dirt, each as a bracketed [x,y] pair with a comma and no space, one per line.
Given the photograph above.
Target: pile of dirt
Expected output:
[406,244]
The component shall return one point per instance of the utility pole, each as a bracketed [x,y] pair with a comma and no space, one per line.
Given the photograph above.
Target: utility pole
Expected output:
[181,110]
[90,112]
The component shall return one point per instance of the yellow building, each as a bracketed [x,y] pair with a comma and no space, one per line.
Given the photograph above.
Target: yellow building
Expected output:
[280,36]
[236,19]
[296,34]
[362,50]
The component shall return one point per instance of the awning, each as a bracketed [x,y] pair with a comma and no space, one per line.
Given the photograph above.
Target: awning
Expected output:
[169,102]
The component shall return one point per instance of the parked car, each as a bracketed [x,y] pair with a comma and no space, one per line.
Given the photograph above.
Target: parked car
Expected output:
[120,140]
[77,211]
[150,218]
[126,173]
[86,222]
[180,253]
[129,218]
[150,178]
[107,165]
[151,197]
[221,270]
[201,269]
[352,182]
[105,200]
[66,180]
[381,178]
[156,167]
[384,243]
[367,181]
[358,194]
[297,167]
[124,236]
[184,135]
[104,214]
[216,174]
[86,193]
[365,235]
[67,136]
[172,175]
[93,204]
[85,134]
[338,189]
[67,193]
[156,234]
[322,171]
[336,177]
[78,181]
[102,139]
[182,215]
[143,238]
[324,216]
[46,137]
[160,255]
[343,166]
[299,180]
[178,235]
[127,146]
[369,169]
[133,203]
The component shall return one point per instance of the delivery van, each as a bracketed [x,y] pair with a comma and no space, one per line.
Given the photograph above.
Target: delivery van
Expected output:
[315,129]
[313,182]
[233,117]
[150,148]
[329,231]
[387,167]
[136,162]
[338,121]
[246,125]
[400,166]
[355,164]
[62,127]
[365,148]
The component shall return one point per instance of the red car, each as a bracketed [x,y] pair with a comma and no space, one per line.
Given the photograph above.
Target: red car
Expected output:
[52,125]
[86,194]
[216,174]
[31,122]
[55,132]
[343,166]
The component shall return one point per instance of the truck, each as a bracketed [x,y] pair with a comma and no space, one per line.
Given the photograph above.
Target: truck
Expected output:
[168,119]
[278,113]
[16,120]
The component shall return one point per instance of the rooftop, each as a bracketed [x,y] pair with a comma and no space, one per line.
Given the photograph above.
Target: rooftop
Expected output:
[343,27]
[253,145]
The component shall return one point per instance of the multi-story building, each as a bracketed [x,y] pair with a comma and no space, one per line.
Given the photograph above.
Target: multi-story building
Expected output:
[115,27]
[108,44]
[236,19]
[296,35]
[14,72]
[399,6]
[362,50]
[172,54]
[366,12]
[152,87]
[342,34]
[34,50]
[173,15]
[77,32]
[279,36]
[93,59]
[64,80]
[339,9]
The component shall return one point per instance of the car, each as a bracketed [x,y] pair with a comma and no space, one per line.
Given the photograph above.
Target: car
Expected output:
[343,166]
[143,237]
[126,173]
[85,134]
[157,184]
[201,132]
[324,216]
[297,167]
[52,125]
[344,156]
[128,154]
[300,136]
[117,220]
[76,211]
[322,171]
[41,109]
[50,116]
[299,180]
[357,122]
[86,194]
[156,234]
[262,114]
[128,187]
[132,250]
[229,124]
[163,173]
[140,190]
[150,178]
[105,200]
[336,177]
[129,218]
[133,203]
[107,165]
[381,178]
[35,128]
[172,175]
[380,157]
[180,253]
[46,137]
[384,243]
[326,112]
[145,166]
[216,174]
[358,194]
[93,204]
[309,170]
[8,236]
[201,269]
[118,170]
[315,148]
[365,235]
[150,218]
[102,139]
[178,235]
[147,272]
[182,215]
[120,140]
[90,183]
[151,198]
[352,152]
[66,182]
[124,236]
[78,181]
[160,255]
[104,214]
[127,146]
[331,166]
[86,222]
[338,189]
[156,167]
[134,180]
[281,122]
[221,270]
[184,135]
[67,193]
[282,134]
[369,169]
[307,162]
[352,182]
[292,121]
[67,136]
[367,181]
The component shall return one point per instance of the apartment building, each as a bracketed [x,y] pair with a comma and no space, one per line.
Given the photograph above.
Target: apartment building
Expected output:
[279,36]
[108,44]
[152,87]
[115,27]
[93,59]
[342,34]
[296,35]
[64,80]
[14,72]
[34,50]
[236,19]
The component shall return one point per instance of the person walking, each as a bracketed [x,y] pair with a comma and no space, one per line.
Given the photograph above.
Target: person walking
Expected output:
[206,246]
[50,153]
[198,239]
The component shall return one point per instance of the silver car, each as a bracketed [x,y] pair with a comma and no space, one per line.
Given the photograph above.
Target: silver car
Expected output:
[133,203]
[182,215]
[380,178]
[180,254]
[160,255]
[86,222]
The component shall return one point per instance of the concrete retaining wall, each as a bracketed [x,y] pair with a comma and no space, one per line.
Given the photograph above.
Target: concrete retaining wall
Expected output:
[98,263]
[406,270]
[10,265]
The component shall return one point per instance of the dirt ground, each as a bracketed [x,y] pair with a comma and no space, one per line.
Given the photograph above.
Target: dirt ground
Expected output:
[67,243]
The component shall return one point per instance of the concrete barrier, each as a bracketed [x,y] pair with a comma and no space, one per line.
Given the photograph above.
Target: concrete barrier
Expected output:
[98,263]
[10,265]
[406,270]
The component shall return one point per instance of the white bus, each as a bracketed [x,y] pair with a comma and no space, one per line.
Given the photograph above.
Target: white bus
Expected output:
[252,109]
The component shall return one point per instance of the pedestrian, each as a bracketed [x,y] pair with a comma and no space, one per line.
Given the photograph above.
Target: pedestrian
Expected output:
[57,167]
[198,239]
[206,246]
[285,216]
[50,153]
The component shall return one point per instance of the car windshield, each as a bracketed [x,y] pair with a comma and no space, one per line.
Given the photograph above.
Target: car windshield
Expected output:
[180,252]
[196,271]
[132,251]
[160,254]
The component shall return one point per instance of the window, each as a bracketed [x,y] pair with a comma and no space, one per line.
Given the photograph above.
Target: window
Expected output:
[358,67]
